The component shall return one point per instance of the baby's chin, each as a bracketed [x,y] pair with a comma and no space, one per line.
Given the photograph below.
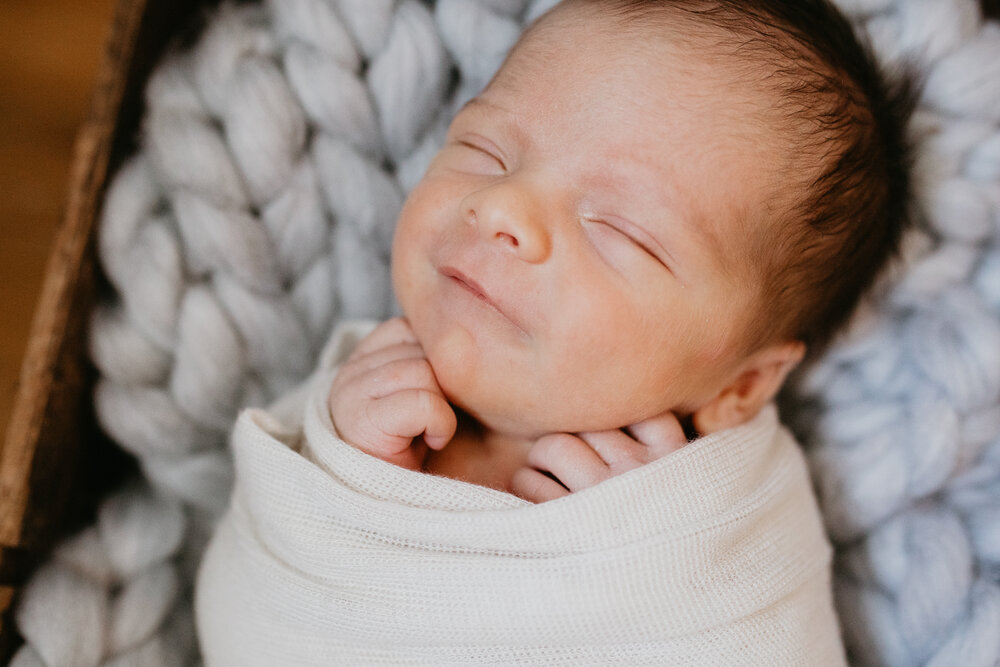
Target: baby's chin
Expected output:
[507,406]
[497,401]
[501,389]
[491,405]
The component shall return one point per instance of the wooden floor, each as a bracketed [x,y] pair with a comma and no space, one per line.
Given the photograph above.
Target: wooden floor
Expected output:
[49,53]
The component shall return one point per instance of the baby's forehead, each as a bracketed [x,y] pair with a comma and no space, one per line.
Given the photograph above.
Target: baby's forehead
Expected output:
[736,81]
[676,106]
[720,41]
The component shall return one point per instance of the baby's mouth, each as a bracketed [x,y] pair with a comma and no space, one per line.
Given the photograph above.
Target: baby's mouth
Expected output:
[476,290]
[469,284]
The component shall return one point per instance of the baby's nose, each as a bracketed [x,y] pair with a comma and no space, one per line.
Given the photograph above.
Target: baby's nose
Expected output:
[507,215]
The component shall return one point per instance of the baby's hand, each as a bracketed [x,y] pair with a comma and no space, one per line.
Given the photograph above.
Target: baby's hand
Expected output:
[585,459]
[385,396]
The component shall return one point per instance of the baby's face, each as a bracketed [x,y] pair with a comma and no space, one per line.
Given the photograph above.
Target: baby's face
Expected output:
[573,258]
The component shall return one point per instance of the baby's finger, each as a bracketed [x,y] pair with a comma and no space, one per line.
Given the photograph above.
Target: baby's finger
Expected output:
[399,375]
[617,449]
[391,332]
[412,412]
[662,434]
[358,366]
[570,459]
[536,486]
[412,457]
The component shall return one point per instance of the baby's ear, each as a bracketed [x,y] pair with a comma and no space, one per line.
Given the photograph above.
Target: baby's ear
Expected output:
[754,387]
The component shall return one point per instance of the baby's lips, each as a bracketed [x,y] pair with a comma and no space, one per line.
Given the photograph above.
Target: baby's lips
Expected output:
[469,283]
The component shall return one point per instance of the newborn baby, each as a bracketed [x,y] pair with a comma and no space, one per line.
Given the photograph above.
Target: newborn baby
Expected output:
[626,243]
[639,224]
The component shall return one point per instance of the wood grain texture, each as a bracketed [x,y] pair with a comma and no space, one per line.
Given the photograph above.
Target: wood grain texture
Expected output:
[51,376]
[49,56]
[55,463]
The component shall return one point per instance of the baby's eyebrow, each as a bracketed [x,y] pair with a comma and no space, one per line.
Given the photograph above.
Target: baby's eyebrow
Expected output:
[661,204]
[483,100]
[636,182]
[478,106]
[506,118]
[473,103]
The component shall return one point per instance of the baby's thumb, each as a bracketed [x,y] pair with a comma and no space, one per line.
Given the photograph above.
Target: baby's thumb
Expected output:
[441,427]
[440,421]
[412,412]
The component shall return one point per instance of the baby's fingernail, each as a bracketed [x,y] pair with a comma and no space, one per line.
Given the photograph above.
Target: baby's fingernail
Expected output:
[436,442]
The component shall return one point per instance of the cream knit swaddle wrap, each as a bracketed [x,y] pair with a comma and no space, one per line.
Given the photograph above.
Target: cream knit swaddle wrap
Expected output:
[713,555]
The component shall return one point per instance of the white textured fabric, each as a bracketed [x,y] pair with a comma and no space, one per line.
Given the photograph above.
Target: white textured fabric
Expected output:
[712,555]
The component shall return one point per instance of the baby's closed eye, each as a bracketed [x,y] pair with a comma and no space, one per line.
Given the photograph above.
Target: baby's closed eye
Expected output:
[480,155]
[612,232]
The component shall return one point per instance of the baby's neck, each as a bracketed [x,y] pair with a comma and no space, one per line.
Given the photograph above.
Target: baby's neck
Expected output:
[479,455]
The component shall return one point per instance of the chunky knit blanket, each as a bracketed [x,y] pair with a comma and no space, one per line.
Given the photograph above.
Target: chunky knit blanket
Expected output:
[713,555]
[258,212]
